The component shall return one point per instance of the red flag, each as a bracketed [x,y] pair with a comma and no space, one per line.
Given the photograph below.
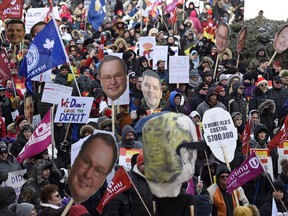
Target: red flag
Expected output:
[100,55]
[12,9]
[120,183]
[245,137]
[5,73]
[280,137]
[173,17]
[39,140]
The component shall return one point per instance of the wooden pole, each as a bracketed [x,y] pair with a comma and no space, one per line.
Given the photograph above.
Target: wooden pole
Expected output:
[67,208]
[113,117]
[237,63]
[215,69]
[270,61]
[211,180]
[192,210]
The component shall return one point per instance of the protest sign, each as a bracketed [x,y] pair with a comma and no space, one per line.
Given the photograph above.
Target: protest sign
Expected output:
[179,69]
[15,180]
[44,77]
[160,53]
[73,110]
[283,154]
[146,46]
[126,155]
[265,158]
[35,15]
[120,55]
[220,133]
[52,93]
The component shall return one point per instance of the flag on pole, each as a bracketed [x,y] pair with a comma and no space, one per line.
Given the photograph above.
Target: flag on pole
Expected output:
[245,136]
[96,13]
[120,183]
[45,52]
[49,14]
[39,140]
[5,73]
[171,7]
[248,170]
[12,9]
[280,137]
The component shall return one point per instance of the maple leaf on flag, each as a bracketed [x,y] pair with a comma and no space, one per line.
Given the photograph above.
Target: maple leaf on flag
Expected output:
[49,44]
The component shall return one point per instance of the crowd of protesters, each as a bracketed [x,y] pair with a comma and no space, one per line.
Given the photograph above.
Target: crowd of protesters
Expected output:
[256,91]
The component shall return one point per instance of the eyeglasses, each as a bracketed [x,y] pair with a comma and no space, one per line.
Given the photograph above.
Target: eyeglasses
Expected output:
[278,82]
[4,152]
[87,70]
[262,85]
[72,50]
[222,91]
[109,78]
[87,164]
[224,176]
[204,89]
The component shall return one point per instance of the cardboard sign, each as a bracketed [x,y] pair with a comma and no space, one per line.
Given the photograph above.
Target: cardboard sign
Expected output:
[52,93]
[160,53]
[15,180]
[146,46]
[265,158]
[44,77]
[220,133]
[73,110]
[126,155]
[283,154]
[241,39]
[179,69]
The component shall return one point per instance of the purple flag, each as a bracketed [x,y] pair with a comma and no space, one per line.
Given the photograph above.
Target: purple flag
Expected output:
[39,140]
[248,170]
[171,7]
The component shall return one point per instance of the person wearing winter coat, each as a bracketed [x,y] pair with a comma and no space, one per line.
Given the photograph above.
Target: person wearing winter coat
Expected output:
[8,162]
[7,197]
[260,53]
[83,81]
[128,139]
[174,103]
[267,115]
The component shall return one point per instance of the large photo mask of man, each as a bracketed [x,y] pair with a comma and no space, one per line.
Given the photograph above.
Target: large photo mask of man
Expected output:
[222,37]
[169,145]
[280,43]
[15,31]
[151,88]
[112,73]
[94,162]
[241,39]
[29,106]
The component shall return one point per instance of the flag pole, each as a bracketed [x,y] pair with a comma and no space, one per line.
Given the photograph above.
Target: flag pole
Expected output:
[67,208]
[138,193]
[52,133]
[67,59]
[113,117]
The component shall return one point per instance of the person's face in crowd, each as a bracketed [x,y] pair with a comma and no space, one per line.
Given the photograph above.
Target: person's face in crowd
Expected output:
[73,51]
[225,56]
[277,68]
[208,79]
[222,38]
[234,81]
[152,91]
[46,173]
[9,84]
[37,29]
[144,64]
[161,66]
[113,79]
[161,36]
[238,122]
[170,40]
[29,109]
[22,123]
[261,135]
[108,25]
[223,180]
[222,92]
[285,80]
[278,194]
[129,135]
[132,32]
[277,84]
[45,155]
[86,73]
[55,198]
[194,56]
[4,155]
[196,119]
[177,100]
[126,35]
[194,78]
[213,99]
[27,134]
[241,40]
[64,71]
[164,86]
[264,65]
[203,91]
[240,91]
[15,33]
[2,93]
[90,170]
[261,53]
[263,87]
[33,213]
[255,117]
[281,40]
[138,83]
[224,82]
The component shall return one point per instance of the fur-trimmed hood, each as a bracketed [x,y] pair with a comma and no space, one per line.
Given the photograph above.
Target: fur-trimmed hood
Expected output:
[11,128]
[267,104]
[86,128]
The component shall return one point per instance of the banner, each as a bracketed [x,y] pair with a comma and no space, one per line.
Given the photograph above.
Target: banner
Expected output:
[280,137]
[178,69]
[120,183]
[53,93]
[45,52]
[96,13]
[171,7]
[39,140]
[5,73]
[15,180]
[245,137]
[126,155]
[73,110]
[146,45]
[248,170]
[160,53]
[12,9]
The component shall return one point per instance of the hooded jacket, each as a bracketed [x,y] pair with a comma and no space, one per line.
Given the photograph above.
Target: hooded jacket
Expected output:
[7,197]
[128,143]
[171,106]
[256,143]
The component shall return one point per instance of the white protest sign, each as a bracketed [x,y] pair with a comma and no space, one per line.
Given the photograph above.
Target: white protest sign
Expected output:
[220,133]
[44,77]
[123,99]
[15,180]
[35,15]
[75,148]
[146,46]
[179,69]
[120,55]
[36,120]
[160,53]
[125,156]
[53,93]
[73,110]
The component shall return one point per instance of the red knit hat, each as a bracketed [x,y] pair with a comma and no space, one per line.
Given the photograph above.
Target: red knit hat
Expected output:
[261,80]
[219,88]
[19,119]
[140,159]
[77,210]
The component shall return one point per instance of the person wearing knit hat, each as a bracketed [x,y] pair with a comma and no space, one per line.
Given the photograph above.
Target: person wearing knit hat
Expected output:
[261,81]
[78,210]
[248,83]
[83,81]
[223,80]
[22,209]
[201,92]
[20,121]
[222,93]
[8,162]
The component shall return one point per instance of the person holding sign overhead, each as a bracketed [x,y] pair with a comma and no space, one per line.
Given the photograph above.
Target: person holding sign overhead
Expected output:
[222,37]
[94,162]
[112,72]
